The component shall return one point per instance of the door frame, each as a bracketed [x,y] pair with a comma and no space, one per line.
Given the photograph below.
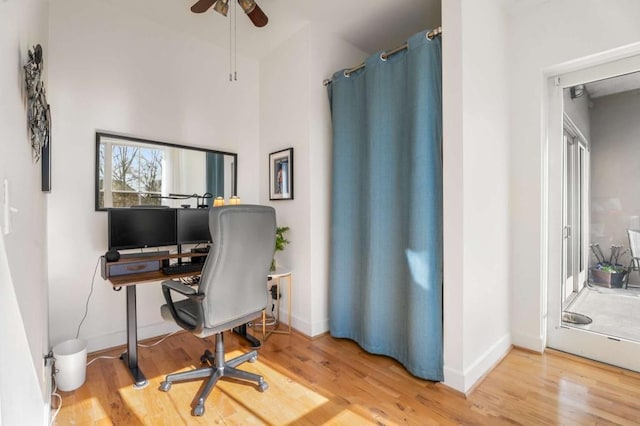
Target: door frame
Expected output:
[608,349]
[581,172]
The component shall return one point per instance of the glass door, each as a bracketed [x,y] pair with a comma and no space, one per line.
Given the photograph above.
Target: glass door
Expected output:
[574,238]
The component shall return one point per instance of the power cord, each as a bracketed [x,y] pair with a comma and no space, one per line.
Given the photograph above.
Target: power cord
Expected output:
[86,306]
[159,341]
[139,344]
[101,357]
[56,394]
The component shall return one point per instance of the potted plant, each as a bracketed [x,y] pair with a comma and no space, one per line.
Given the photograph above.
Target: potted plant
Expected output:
[608,273]
[281,243]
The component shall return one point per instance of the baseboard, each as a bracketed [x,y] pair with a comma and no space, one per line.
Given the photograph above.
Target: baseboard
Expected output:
[532,343]
[111,340]
[465,381]
[305,327]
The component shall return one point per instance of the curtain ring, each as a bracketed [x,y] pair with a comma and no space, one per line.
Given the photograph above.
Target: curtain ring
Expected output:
[383,57]
[347,74]
[433,33]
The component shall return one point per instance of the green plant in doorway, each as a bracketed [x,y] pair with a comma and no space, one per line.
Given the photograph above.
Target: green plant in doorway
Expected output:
[281,243]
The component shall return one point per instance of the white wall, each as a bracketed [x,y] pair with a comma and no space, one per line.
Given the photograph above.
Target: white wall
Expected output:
[476,193]
[115,72]
[24,380]
[294,112]
[543,35]
[578,111]
[615,168]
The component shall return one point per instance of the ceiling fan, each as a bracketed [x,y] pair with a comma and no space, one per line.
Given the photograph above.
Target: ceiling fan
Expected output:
[250,7]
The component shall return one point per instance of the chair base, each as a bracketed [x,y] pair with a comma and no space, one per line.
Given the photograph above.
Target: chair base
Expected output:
[217,369]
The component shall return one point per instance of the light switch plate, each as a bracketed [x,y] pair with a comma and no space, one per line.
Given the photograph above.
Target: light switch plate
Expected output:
[6,210]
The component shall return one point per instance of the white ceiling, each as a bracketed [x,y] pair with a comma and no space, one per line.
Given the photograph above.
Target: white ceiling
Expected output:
[610,86]
[370,25]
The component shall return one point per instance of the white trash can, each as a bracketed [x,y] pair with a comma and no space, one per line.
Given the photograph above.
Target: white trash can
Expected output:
[70,364]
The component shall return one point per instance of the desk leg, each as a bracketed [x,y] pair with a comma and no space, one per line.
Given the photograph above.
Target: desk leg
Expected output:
[242,331]
[130,357]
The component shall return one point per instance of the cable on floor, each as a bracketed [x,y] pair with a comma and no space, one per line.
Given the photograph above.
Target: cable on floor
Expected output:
[159,341]
[56,394]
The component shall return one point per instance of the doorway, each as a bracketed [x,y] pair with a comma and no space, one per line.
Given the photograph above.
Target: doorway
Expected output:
[589,204]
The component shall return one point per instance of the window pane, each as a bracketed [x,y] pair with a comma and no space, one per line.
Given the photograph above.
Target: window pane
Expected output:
[124,170]
[151,170]
[101,172]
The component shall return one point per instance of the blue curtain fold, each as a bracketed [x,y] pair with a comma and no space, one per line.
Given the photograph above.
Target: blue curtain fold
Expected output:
[386,211]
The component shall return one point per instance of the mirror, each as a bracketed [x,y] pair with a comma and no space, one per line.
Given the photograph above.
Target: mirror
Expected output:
[137,172]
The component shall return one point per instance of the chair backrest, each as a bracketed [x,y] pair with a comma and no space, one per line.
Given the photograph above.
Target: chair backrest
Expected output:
[634,243]
[234,276]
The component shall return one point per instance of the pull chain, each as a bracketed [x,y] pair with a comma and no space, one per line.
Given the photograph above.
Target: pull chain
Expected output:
[233,45]
[235,40]
[230,47]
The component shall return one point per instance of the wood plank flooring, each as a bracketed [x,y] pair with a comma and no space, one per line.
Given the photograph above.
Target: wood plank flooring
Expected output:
[331,381]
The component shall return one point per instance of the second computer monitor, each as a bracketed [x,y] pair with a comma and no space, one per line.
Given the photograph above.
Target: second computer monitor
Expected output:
[193,226]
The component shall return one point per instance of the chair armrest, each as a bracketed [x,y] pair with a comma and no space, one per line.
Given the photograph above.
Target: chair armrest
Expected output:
[185,290]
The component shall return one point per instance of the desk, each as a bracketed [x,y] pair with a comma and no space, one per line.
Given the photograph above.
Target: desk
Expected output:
[275,276]
[130,357]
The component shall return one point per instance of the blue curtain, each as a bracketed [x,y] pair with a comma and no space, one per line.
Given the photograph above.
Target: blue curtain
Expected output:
[386,212]
[215,176]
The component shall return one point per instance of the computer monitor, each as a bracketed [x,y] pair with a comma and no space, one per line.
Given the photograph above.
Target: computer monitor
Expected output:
[131,228]
[193,226]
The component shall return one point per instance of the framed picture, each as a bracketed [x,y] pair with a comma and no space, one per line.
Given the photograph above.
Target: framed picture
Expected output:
[281,175]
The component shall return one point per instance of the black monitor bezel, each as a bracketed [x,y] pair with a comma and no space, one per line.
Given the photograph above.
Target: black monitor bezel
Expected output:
[184,213]
[149,212]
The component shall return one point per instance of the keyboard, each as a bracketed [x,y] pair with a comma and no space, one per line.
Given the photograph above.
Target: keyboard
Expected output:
[182,268]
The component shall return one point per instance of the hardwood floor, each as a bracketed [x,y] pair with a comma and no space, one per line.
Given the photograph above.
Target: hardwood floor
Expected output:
[331,381]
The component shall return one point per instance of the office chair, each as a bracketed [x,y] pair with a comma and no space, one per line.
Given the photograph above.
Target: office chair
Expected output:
[231,291]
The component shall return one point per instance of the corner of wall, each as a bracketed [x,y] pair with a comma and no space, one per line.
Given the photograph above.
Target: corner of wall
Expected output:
[465,381]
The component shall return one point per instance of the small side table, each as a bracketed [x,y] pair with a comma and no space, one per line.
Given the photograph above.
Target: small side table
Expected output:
[275,276]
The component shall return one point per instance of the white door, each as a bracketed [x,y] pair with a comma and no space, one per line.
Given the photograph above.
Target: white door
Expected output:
[567,206]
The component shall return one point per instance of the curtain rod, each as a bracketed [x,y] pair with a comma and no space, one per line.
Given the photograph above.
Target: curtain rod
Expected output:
[430,35]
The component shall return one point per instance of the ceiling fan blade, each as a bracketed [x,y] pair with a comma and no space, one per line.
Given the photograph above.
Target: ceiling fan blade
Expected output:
[254,12]
[202,6]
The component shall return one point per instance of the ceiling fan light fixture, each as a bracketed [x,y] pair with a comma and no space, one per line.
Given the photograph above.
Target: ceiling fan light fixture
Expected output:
[254,12]
[247,5]
[222,7]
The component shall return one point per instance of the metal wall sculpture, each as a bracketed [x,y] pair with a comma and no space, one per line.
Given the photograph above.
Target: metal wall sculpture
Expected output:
[38,114]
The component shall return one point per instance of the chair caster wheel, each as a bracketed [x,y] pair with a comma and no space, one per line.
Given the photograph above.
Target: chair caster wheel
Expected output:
[198,410]
[263,386]
[203,359]
[165,386]
[253,359]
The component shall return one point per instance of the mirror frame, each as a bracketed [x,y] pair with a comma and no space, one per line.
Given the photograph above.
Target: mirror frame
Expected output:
[100,135]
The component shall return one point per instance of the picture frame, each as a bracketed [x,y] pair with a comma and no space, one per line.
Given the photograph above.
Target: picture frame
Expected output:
[281,175]
[46,167]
